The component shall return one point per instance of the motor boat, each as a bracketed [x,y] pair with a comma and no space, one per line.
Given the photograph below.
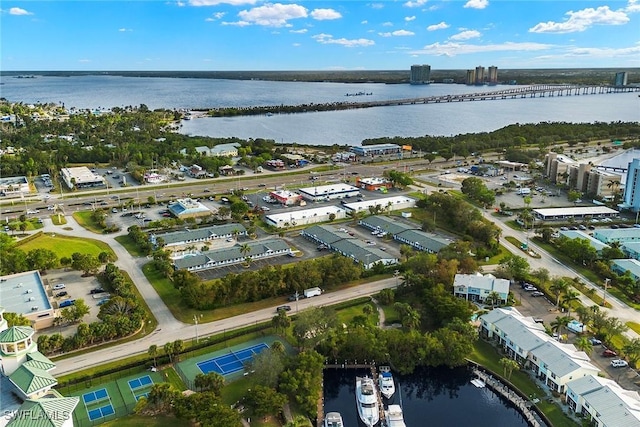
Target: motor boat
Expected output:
[393,416]
[367,401]
[333,419]
[386,383]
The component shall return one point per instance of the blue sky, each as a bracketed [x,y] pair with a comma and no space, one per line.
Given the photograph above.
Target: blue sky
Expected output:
[317,35]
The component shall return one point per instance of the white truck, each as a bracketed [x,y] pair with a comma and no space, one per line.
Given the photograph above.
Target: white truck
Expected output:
[523,191]
[312,292]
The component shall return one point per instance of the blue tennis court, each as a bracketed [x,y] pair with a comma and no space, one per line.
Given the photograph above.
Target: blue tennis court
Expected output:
[140,382]
[230,363]
[138,396]
[101,412]
[95,396]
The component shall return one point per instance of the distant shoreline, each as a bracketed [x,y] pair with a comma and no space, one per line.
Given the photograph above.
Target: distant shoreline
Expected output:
[521,76]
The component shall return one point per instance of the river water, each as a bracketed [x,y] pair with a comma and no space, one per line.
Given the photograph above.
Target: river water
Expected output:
[349,127]
[429,397]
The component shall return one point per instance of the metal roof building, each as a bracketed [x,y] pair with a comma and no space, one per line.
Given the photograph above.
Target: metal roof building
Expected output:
[305,216]
[329,192]
[24,293]
[552,214]
[622,235]
[204,234]
[576,234]
[363,253]
[233,255]
[387,203]
[188,208]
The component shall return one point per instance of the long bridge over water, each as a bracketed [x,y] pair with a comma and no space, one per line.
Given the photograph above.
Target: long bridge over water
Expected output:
[536,91]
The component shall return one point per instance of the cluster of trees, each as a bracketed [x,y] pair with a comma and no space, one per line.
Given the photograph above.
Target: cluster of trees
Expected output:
[141,239]
[121,316]
[517,135]
[327,272]
[454,214]
[15,260]
[476,189]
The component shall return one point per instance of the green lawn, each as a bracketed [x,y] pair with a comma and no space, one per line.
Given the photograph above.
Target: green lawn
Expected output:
[65,246]
[634,326]
[486,355]
[346,315]
[145,421]
[129,245]
[58,220]
[83,218]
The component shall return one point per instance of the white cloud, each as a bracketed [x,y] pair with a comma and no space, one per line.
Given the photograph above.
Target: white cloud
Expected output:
[215,17]
[477,4]
[296,45]
[328,39]
[18,11]
[466,35]
[124,30]
[273,15]
[632,6]
[84,60]
[415,3]
[409,18]
[452,49]
[325,14]
[300,31]
[236,23]
[441,26]
[377,5]
[387,24]
[217,2]
[398,33]
[364,22]
[582,20]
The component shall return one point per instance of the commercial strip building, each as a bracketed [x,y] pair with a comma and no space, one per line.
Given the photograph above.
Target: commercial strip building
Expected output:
[234,255]
[190,236]
[476,287]
[393,203]
[621,266]
[577,213]
[220,150]
[339,241]
[373,184]
[285,197]
[525,341]
[188,208]
[408,234]
[576,234]
[305,216]
[322,193]
[376,150]
[14,186]
[24,293]
[81,177]
[620,235]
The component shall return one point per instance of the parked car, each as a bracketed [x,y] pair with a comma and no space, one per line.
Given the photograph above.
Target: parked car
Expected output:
[61,294]
[537,294]
[96,291]
[595,341]
[619,363]
[530,288]
[59,286]
[284,308]
[609,353]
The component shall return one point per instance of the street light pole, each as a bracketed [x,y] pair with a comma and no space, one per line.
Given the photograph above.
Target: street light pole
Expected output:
[195,319]
[604,295]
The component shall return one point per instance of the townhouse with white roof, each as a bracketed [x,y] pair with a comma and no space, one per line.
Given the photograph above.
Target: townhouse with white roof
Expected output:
[603,402]
[525,341]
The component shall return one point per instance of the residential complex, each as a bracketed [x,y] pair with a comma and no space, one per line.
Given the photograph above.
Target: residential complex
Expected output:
[632,186]
[477,287]
[420,74]
[583,177]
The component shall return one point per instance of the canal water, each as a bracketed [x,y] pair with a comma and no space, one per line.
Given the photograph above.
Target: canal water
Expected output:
[429,397]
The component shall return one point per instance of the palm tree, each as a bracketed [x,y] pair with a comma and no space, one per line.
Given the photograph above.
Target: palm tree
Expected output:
[153,352]
[558,287]
[493,298]
[569,297]
[508,365]
[583,344]
[278,347]
[245,248]
[559,324]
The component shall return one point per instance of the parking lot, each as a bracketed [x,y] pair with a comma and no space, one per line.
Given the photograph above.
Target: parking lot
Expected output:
[76,287]
[543,309]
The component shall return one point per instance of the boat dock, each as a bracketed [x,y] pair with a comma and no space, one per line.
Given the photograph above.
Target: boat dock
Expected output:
[355,365]
[524,406]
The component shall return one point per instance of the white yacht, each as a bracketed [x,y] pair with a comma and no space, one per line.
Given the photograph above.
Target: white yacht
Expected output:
[394,417]
[333,419]
[367,401]
[385,382]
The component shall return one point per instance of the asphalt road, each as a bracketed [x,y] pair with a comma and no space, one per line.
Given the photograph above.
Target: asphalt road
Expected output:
[183,332]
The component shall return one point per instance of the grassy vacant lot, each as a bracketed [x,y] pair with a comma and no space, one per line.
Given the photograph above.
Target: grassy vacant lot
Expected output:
[486,355]
[141,421]
[65,246]
[129,245]
[83,218]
